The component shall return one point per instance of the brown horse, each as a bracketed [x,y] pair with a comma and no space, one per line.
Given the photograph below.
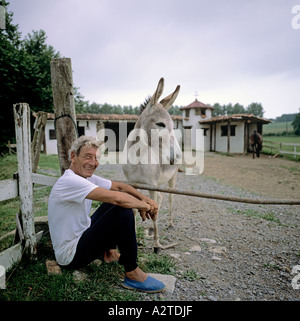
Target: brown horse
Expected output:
[256,143]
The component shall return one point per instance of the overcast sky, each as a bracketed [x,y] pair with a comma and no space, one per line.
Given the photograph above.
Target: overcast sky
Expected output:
[238,51]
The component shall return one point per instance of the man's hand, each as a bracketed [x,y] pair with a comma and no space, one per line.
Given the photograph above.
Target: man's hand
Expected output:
[152,212]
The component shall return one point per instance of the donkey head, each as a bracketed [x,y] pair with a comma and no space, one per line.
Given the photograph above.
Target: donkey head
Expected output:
[156,121]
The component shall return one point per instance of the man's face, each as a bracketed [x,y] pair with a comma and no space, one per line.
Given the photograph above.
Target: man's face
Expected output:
[86,162]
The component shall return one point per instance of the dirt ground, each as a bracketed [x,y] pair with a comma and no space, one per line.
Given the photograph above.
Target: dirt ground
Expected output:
[273,177]
[229,251]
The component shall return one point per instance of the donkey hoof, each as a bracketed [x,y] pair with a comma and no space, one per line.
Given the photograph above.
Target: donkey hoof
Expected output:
[157,250]
[171,228]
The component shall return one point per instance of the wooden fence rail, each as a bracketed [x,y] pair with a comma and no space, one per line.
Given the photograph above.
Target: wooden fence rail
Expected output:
[278,147]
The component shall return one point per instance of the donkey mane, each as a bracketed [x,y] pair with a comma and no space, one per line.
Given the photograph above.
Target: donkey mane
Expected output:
[144,104]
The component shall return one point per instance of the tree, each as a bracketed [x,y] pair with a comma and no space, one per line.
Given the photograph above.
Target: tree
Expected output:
[218,110]
[256,109]
[238,109]
[175,111]
[24,75]
[9,74]
[296,124]
[80,104]
[37,72]
[286,117]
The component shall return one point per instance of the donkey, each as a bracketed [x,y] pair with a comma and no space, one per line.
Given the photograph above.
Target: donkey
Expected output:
[256,143]
[152,150]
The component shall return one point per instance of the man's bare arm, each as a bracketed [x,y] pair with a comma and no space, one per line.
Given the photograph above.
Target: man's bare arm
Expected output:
[117,198]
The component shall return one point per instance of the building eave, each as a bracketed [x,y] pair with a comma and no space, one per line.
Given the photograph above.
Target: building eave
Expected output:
[108,117]
[235,118]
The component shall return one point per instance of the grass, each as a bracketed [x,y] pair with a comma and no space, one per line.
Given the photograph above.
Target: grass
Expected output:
[29,280]
[276,140]
[8,166]
[269,216]
[192,275]
[278,128]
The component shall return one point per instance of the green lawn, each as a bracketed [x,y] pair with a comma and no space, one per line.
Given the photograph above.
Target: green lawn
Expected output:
[277,128]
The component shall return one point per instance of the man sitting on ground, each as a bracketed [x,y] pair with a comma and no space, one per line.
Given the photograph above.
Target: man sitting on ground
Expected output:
[77,238]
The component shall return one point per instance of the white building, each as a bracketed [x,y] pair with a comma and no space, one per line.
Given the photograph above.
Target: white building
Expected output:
[192,114]
[117,128]
[229,134]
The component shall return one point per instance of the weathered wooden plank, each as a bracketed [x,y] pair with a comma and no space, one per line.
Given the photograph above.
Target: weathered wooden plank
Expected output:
[11,256]
[8,189]
[291,144]
[287,152]
[64,108]
[23,141]
[14,254]
[43,179]
[38,137]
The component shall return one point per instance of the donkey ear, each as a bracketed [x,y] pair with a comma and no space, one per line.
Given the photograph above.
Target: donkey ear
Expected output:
[158,92]
[169,100]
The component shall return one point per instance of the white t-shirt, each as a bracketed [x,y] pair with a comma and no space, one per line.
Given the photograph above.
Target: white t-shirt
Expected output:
[68,212]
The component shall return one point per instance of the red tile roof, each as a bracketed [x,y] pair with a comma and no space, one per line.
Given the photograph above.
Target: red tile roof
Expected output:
[196,104]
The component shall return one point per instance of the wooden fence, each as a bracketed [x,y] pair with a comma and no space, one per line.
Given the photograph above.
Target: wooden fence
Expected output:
[21,186]
[278,148]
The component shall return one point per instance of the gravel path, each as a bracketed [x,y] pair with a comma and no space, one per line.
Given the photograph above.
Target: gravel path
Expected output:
[227,251]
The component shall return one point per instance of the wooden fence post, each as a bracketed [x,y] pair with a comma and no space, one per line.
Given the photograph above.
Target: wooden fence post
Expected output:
[64,108]
[38,137]
[23,142]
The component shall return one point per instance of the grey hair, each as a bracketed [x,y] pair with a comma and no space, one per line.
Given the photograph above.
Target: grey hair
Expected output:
[87,141]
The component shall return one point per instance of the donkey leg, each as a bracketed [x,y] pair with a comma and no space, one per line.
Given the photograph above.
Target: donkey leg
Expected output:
[171,184]
[135,212]
[156,196]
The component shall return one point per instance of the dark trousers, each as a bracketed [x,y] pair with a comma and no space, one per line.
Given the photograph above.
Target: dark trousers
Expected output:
[111,226]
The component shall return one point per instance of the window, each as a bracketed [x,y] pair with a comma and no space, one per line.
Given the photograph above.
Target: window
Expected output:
[200,111]
[205,130]
[52,134]
[187,113]
[81,130]
[224,130]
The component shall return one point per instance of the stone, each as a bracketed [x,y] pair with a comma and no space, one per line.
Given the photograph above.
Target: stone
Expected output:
[168,280]
[195,248]
[206,240]
[79,276]
[175,256]
[53,267]
[219,250]
[96,262]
